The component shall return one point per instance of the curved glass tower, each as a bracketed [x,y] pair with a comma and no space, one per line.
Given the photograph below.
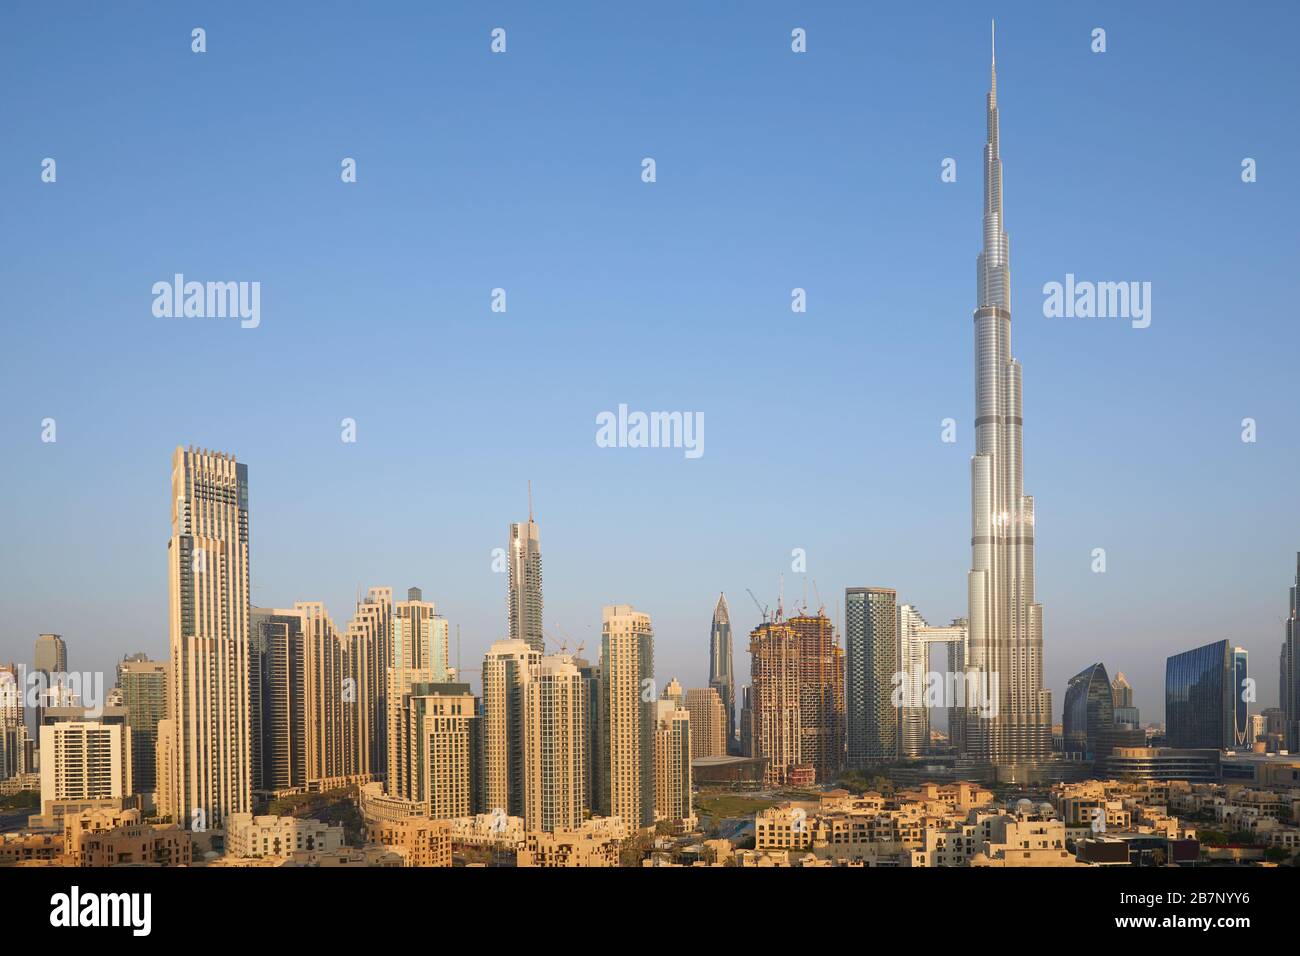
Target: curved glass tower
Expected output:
[1006,625]
[1089,710]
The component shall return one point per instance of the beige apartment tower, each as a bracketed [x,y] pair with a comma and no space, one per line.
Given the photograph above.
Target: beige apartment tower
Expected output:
[628,711]
[708,722]
[507,667]
[366,646]
[207,755]
[555,745]
[435,747]
[672,762]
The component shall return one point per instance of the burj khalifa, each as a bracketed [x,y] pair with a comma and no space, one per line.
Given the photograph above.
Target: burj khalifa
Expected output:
[1005,638]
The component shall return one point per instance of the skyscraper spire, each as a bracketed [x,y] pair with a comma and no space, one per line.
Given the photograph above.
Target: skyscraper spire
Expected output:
[1005,637]
[721,676]
[524,602]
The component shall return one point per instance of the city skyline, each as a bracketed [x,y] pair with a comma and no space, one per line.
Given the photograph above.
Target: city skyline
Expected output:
[847,730]
[678,571]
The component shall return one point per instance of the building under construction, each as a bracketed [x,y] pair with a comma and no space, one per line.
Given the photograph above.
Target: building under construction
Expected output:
[774,700]
[821,694]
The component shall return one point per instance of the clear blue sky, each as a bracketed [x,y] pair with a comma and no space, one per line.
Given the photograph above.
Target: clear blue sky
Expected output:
[775,170]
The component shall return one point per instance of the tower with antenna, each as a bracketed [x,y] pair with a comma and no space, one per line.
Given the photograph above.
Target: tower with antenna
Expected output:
[524,603]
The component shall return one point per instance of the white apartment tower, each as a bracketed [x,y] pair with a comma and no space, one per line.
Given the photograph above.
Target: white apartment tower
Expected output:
[204,743]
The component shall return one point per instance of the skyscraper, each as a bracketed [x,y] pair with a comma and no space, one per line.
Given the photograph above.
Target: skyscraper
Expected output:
[1089,710]
[1121,694]
[708,723]
[434,748]
[628,710]
[51,654]
[915,639]
[526,582]
[367,644]
[871,649]
[144,695]
[595,784]
[774,700]
[51,660]
[277,691]
[507,667]
[420,635]
[1121,691]
[1006,625]
[821,694]
[417,655]
[1290,667]
[1204,702]
[327,686]
[721,676]
[205,737]
[555,745]
[672,762]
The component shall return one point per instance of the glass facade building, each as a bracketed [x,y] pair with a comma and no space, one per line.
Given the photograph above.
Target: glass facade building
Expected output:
[871,650]
[1205,698]
[1089,710]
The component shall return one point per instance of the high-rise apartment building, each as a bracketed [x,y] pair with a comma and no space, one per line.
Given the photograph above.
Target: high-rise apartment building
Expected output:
[555,745]
[144,695]
[420,635]
[436,746]
[672,763]
[507,667]
[871,639]
[628,711]
[821,694]
[418,654]
[1005,644]
[327,685]
[777,725]
[85,757]
[721,673]
[594,781]
[206,733]
[278,704]
[708,723]
[525,600]
[366,647]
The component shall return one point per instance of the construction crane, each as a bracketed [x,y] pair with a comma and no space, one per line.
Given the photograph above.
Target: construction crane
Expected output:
[762,608]
[578,649]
